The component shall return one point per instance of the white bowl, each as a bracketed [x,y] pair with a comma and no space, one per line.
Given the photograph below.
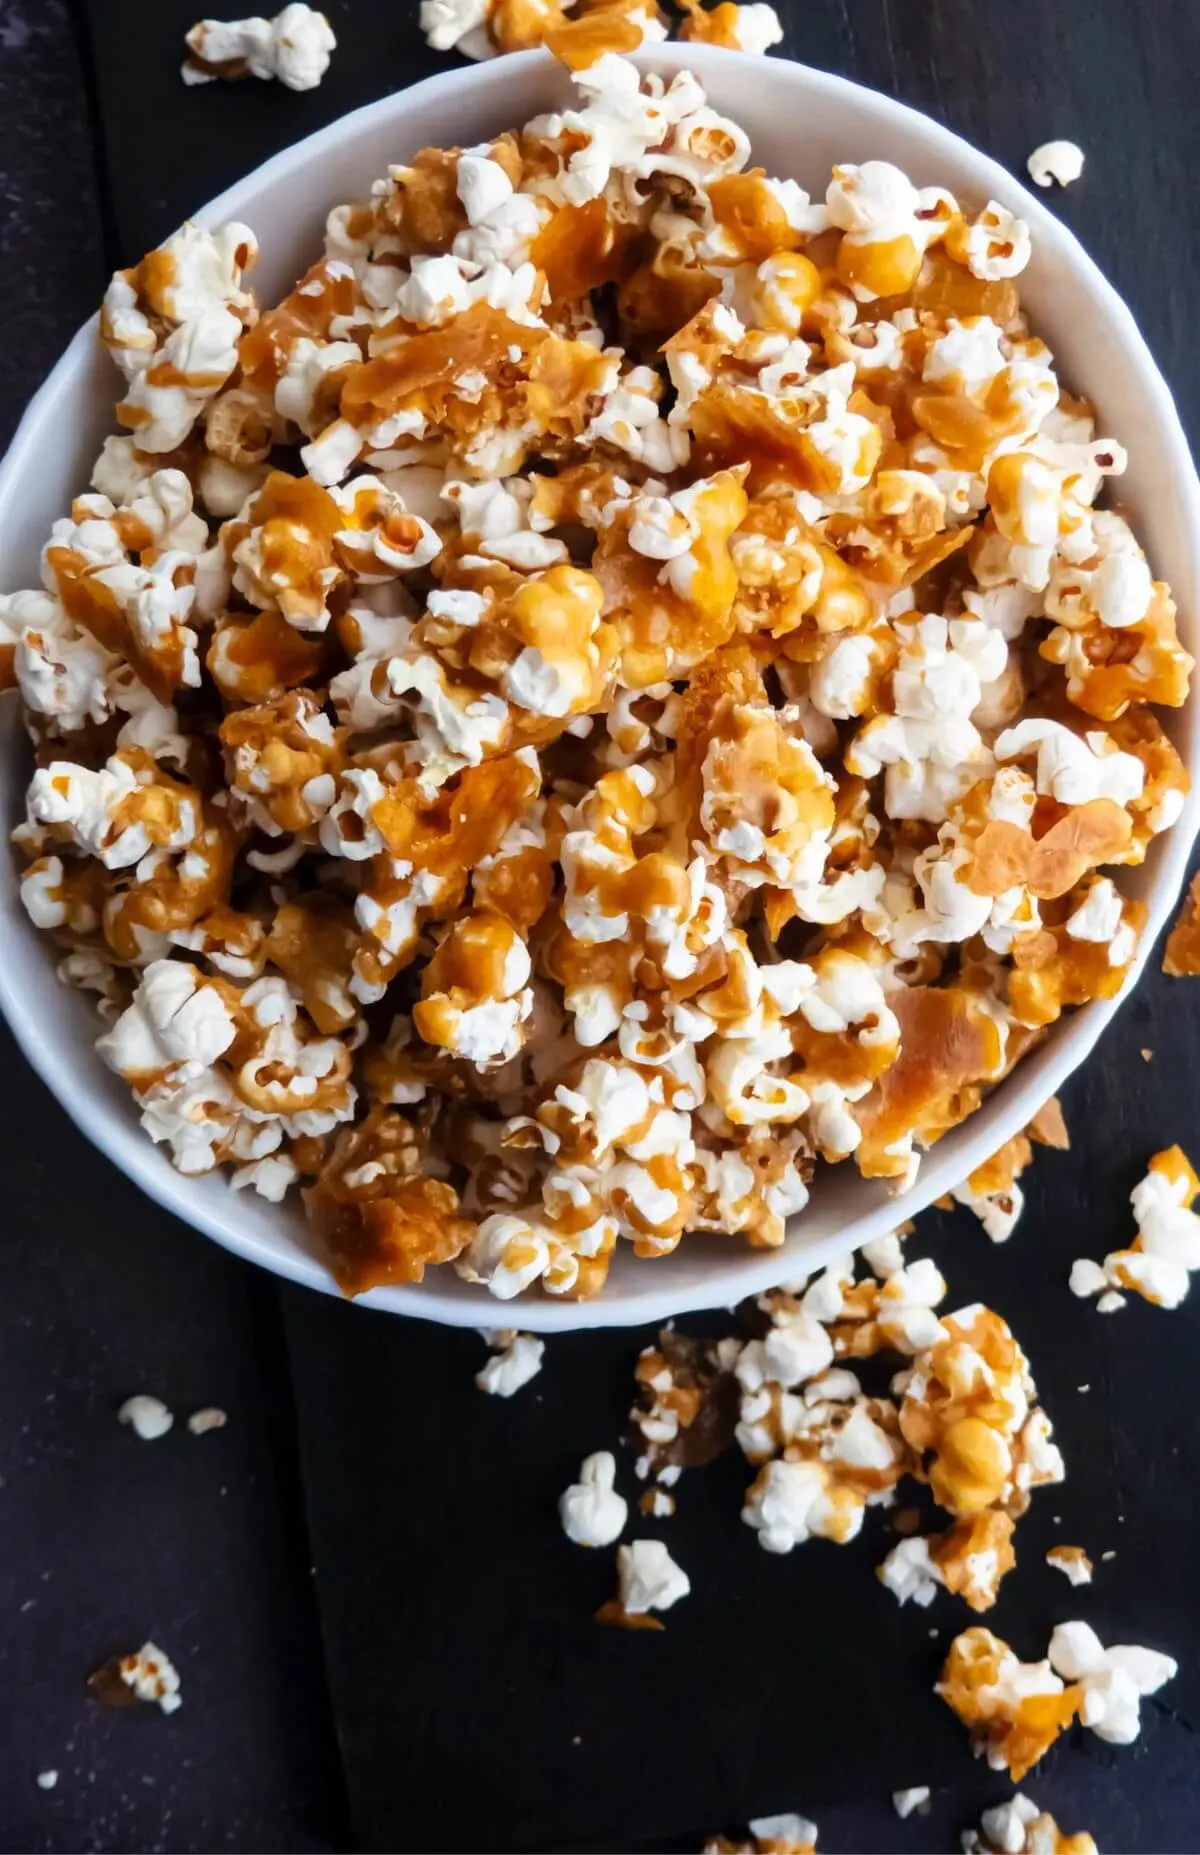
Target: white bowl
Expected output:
[800,121]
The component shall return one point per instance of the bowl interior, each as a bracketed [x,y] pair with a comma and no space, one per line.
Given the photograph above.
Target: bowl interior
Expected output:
[800,122]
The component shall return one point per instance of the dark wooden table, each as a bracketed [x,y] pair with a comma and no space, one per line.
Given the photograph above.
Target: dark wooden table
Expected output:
[361,1708]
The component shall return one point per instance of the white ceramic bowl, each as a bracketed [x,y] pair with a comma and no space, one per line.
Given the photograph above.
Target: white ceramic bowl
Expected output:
[800,121]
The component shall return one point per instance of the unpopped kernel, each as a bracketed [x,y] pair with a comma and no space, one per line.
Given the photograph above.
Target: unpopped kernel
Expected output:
[615,694]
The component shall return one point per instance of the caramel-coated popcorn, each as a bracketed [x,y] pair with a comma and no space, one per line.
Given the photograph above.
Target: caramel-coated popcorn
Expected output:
[612,695]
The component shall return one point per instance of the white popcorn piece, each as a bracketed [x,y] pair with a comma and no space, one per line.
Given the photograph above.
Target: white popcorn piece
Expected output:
[46,1780]
[1053,163]
[591,1511]
[512,1366]
[1114,1681]
[648,1577]
[147,1417]
[910,1574]
[294,47]
[905,1802]
[790,1833]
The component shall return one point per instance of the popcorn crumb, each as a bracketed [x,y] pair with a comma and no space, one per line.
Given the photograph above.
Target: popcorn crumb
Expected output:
[591,1511]
[905,1802]
[1073,1561]
[210,1417]
[1147,1056]
[519,1360]
[147,1417]
[657,1503]
[46,1780]
[294,47]
[1055,161]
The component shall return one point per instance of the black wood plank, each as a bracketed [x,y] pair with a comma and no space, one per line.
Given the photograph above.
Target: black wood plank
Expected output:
[105,1540]
[463,1666]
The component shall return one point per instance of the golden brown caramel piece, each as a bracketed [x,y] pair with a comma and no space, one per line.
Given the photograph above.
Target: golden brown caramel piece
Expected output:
[949,1049]
[613,1612]
[1015,1711]
[255,660]
[1181,956]
[1052,971]
[975,1555]
[379,1220]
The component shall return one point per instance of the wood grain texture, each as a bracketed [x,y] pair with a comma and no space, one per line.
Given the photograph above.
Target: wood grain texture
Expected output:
[460,1663]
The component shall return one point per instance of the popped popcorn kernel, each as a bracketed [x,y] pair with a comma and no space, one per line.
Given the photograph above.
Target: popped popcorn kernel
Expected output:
[294,47]
[1158,1263]
[1014,1710]
[1018,1827]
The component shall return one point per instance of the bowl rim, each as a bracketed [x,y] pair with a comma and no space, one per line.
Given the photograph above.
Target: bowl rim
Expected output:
[748,1271]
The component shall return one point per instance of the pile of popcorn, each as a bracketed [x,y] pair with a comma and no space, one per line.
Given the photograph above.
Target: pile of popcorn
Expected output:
[961,1417]
[614,692]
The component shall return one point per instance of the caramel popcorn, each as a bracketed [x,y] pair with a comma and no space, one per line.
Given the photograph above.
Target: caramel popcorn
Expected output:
[146,1675]
[1181,956]
[614,694]
[769,1835]
[1158,1263]
[967,1411]
[1018,1827]
[294,47]
[992,1191]
[1015,1710]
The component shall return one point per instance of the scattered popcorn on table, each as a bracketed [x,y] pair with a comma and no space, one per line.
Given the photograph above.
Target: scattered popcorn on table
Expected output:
[473,683]
[517,1360]
[147,1417]
[1055,161]
[1181,956]
[1018,1827]
[210,1417]
[591,1510]
[905,1802]
[294,47]
[769,1835]
[647,1579]
[1016,1710]
[147,1675]
[1159,1262]
[1073,1562]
